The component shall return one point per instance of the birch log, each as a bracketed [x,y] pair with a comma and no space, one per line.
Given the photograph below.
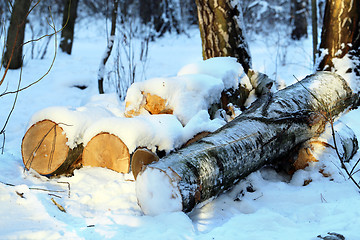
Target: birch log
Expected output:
[268,130]
[44,149]
[108,151]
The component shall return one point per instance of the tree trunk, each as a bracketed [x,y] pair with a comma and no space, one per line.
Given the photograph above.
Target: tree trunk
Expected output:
[151,13]
[125,9]
[13,56]
[222,31]
[314,20]
[267,131]
[44,149]
[108,50]
[299,19]
[340,35]
[69,17]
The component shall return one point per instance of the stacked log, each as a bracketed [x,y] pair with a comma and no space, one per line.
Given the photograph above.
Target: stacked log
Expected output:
[152,103]
[141,158]
[111,142]
[52,144]
[204,163]
[44,149]
[107,151]
[202,86]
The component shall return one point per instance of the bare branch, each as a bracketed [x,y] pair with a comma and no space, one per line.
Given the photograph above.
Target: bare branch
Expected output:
[49,69]
[13,106]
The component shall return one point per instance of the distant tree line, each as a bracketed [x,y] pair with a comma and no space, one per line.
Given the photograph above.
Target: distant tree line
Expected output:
[261,16]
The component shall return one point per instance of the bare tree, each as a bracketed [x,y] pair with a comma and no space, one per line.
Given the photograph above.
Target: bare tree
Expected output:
[4,74]
[160,16]
[314,24]
[15,37]
[109,47]
[299,18]
[222,31]
[69,17]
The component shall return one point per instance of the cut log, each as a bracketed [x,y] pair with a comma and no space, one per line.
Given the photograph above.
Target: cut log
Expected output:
[53,144]
[152,103]
[108,151]
[141,158]
[267,131]
[44,149]
[157,105]
[233,96]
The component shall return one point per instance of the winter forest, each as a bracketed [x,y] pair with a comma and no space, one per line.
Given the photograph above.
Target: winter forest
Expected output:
[180,119]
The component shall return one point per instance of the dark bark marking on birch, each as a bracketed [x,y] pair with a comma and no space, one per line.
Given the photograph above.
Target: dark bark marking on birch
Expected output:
[268,98]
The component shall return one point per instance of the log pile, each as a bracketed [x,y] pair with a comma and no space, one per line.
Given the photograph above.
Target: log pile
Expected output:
[50,148]
[51,144]
[175,171]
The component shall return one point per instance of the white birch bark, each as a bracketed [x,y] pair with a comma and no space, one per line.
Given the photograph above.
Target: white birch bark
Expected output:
[268,130]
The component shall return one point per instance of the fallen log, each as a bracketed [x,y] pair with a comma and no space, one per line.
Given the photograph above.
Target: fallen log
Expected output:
[53,143]
[144,156]
[44,149]
[108,151]
[141,158]
[151,103]
[268,130]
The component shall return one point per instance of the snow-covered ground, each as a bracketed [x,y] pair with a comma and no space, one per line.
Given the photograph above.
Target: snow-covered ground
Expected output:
[102,204]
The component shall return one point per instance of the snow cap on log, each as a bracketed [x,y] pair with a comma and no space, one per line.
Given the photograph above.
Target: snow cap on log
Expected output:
[225,68]
[196,87]
[184,95]
[237,85]
[74,121]
[267,131]
[155,132]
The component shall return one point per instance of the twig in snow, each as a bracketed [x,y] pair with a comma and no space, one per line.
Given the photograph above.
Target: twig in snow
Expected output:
[50,194]
[34,188]
[20,194]
[322,198]
[61,208]
[69,192]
